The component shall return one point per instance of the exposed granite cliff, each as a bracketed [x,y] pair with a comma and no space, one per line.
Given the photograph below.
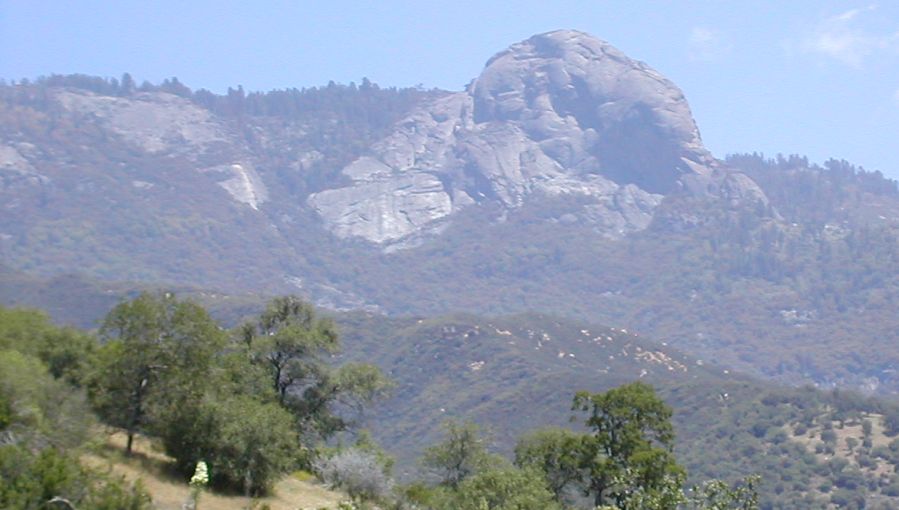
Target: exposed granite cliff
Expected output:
[559,113]
[165,124]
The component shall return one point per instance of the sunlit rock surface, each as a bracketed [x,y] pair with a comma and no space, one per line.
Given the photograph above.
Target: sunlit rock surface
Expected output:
[562,113]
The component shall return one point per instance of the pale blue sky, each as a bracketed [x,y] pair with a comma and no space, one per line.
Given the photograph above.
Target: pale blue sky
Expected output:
[819,78]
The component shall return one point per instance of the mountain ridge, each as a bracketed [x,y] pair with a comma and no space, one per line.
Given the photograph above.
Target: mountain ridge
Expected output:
[801,286]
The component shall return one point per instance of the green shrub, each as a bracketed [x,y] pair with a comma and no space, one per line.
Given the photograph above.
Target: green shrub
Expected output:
[892,489]
[882,452]
[37,409]
[31,479]
[251,444]
[503,489]
[247,444]
[865,461]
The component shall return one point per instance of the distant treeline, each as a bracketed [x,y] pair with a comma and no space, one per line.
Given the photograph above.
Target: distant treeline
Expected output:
[366,102]
[338,122]
[838,175]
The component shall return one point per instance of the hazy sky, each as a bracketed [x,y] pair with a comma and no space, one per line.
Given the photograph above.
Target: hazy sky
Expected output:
[819,78]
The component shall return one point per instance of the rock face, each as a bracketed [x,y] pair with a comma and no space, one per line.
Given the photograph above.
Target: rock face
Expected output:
[165,124]
[562,113]
[153,122]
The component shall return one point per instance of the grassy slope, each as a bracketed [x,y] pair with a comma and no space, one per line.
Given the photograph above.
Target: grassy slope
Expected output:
[169,492]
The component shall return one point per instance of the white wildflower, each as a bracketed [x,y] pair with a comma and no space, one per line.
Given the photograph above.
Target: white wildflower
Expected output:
[201,475]
[197,482]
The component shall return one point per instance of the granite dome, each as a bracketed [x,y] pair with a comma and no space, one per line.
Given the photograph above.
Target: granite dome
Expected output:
[559,113]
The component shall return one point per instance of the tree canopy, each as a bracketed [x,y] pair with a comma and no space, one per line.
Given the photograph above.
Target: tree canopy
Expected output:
[292,343]
[157,349]
[631,434]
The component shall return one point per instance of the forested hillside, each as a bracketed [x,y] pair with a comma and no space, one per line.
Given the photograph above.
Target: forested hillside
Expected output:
[552,246]
[791,291]
[496,382]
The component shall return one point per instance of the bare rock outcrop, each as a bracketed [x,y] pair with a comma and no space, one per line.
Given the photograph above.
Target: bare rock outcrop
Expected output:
[163,123]
[560,113]
[151,121]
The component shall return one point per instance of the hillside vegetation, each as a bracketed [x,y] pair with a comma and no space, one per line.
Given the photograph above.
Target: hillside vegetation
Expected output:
[165,369]
[169,491]
[540,292]
[512,375]
[802,290]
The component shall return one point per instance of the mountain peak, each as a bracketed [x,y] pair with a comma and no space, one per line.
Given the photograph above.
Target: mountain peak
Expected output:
[560,113]
[555,42]
[567,74]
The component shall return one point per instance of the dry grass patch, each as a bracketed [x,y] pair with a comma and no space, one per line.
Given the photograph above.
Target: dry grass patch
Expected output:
[170,491]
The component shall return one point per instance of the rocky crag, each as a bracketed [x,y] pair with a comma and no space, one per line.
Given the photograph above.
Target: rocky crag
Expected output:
[562,113]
